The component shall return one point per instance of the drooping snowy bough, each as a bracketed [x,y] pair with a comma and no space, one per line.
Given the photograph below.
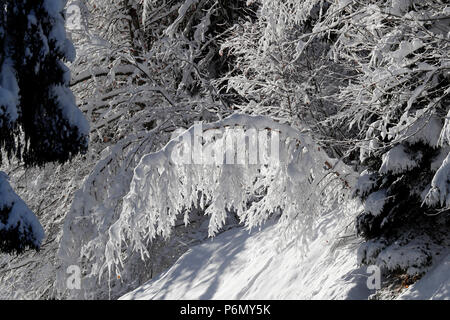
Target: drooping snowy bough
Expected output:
[249,166]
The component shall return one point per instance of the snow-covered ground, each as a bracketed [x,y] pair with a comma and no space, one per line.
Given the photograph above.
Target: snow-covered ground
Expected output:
[242,265]
[434,285]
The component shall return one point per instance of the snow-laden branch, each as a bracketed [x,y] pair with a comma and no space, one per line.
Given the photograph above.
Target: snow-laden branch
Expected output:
[287,183]
[439,193]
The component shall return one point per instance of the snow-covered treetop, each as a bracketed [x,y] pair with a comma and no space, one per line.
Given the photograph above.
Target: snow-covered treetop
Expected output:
[37,106]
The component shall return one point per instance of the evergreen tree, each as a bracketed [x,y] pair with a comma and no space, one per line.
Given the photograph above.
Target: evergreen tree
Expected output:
[39,120]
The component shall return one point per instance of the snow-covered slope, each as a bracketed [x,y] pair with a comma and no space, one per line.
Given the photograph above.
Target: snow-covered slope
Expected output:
[434,285]
[242,265]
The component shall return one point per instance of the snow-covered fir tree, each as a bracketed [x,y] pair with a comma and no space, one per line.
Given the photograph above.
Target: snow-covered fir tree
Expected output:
[39,120]
[53,127]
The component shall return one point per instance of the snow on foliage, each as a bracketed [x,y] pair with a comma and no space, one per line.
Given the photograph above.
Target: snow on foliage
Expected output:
[418,128]
[444,138]
[130,88]
[34,48]
[439,193]
[367,180]
[94,209]
[397,160]
[19,227]
[9,95]
[375,202]
[58,32]
[162,189]
[131,201]
[69,109]
[39,119]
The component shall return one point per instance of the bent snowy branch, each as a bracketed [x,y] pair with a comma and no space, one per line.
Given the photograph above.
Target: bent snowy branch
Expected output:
[163,188]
